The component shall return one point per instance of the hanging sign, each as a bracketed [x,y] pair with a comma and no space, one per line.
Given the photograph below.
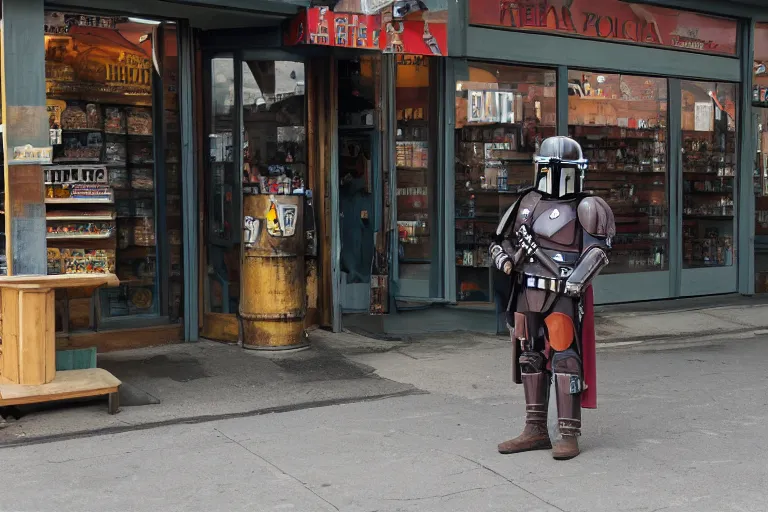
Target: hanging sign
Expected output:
[414,34]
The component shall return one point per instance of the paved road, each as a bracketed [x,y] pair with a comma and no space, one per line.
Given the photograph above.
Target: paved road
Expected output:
[677,430]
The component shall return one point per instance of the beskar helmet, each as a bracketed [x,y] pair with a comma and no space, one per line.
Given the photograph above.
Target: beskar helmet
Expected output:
[560,166]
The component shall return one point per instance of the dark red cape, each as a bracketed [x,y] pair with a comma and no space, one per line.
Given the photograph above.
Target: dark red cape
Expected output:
[588,352]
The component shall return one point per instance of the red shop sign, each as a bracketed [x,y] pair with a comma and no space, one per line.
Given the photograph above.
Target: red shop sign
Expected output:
[413,35]
[612,20]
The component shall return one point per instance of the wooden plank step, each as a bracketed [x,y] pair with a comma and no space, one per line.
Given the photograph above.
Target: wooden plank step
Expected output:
[67,385]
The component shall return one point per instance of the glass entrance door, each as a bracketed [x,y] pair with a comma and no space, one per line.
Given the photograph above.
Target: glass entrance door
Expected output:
[256,145]
[708,167]
[221,284]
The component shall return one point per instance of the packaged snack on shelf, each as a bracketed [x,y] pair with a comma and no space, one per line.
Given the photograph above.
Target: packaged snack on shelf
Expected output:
[54,261]
[90,191]
[74,118]
[118,178]
[143,208]
[142,178]
[140,152]
[139,121]
[115,152]
[114,120]
[144,232]
[80,147]
[93,116]
[124,235]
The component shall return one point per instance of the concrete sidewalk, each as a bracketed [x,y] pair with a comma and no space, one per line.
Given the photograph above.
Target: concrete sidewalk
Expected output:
[678,431]
[679,320]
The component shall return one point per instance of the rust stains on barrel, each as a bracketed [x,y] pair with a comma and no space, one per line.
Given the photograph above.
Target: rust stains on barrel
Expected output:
[273,296]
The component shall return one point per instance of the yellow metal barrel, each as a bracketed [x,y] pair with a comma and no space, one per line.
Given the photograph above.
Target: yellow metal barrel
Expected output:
[273,293]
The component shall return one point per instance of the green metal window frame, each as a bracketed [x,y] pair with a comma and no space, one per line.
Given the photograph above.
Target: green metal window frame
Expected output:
[534,49]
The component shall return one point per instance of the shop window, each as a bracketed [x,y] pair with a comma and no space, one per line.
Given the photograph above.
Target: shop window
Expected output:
[709,165]
[113,116]
[502,115]
[760,121]
[3,259]
[621,123]
[415,154]
[611,20]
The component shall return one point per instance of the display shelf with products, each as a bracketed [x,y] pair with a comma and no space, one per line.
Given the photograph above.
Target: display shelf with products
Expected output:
[709,165]
[82,235]
[500,126]
[620,122]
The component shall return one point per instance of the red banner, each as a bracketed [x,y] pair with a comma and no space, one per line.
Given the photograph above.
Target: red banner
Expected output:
[412,35]
[612,20]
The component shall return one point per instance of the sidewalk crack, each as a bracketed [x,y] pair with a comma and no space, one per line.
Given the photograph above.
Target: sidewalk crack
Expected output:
[480,464]
[442,495]
[303,484]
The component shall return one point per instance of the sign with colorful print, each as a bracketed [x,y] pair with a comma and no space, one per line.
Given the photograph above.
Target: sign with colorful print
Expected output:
[286,216]
[273,222]
[612,20]
[419,33]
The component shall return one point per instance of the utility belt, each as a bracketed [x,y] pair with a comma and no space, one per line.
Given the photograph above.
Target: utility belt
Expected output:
[542,283]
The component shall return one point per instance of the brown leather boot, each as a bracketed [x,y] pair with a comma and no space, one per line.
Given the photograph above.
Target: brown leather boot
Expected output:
[534,437]
[566,448]
[569,417]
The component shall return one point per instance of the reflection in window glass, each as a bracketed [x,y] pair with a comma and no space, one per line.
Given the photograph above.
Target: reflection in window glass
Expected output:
[415,106]
[621,123]
[761,201]
[709,161]
[502,115]
[760,119]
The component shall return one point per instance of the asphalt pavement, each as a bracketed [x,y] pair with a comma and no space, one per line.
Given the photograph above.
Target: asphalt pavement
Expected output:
[679,428]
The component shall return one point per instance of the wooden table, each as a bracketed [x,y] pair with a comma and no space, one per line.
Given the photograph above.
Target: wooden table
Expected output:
[28,359]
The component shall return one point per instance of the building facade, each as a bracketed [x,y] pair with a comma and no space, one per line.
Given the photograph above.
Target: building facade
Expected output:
[132,137]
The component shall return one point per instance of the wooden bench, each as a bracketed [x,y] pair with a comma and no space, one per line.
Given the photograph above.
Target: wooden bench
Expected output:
[28,360]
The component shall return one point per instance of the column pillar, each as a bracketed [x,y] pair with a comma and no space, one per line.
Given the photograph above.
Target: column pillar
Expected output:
[26,136]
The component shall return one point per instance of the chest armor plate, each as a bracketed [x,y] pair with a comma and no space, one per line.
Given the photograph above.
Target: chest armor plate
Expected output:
[556,225]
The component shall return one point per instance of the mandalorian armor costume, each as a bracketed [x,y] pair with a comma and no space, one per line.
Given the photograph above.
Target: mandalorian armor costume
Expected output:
[553,242]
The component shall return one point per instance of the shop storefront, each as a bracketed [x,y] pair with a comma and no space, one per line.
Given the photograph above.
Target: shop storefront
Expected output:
[153,140]
[100,154]
[659,98]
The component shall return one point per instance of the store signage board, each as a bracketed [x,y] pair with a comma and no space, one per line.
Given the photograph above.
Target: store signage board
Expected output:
[415,34]
[29,155]
[611,20]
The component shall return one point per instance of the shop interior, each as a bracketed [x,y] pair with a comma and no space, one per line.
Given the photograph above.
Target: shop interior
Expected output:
[760,172]
[503,114]
[416,188]
[114,182]
[622,124]
[359,139]
[272,160]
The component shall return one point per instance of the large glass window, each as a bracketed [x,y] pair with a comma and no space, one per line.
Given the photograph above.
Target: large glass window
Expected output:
[621,123]
[274,159]
[114,173]
[709,165]
[502,115]
[415,159]
[760,173]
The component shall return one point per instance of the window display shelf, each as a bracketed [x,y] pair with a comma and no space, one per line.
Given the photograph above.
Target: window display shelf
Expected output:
[79,236]
[71,200]
[83,217]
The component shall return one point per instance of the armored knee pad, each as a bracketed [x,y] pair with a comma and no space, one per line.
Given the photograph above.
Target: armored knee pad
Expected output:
[567,368]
